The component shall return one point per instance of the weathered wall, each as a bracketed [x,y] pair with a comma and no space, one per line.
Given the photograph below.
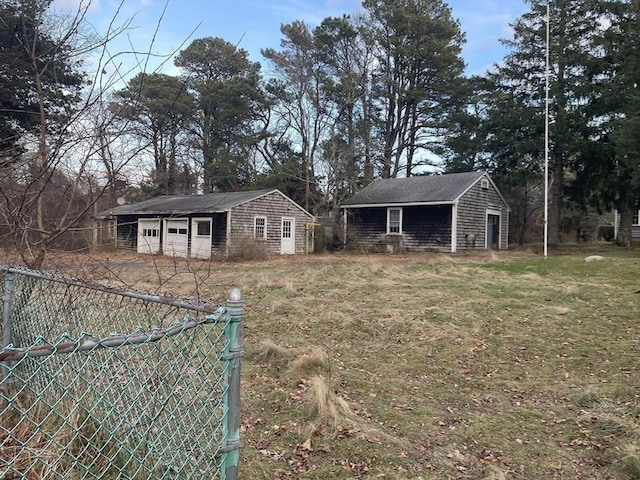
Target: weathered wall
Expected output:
[423,228]
[472,217]
[273,206]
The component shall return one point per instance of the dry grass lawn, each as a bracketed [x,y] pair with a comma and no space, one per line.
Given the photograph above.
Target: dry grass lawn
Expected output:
[425,366]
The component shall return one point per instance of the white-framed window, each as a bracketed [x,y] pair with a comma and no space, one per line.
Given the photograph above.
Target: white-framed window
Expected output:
[636,217]
[260,228]
[394,220]
[203,228]
[484,183]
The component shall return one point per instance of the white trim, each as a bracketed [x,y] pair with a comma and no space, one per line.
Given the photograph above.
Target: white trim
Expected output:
[399,232]
[194,226]
[148,243]
[495,188]
[344,232]
[228,239]
[167,241]
[454,227]
[292,235]
[393,205]
[497,213]
[201,244]
[264,236]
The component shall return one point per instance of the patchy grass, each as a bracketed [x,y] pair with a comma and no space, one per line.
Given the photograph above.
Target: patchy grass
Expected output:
[479,365]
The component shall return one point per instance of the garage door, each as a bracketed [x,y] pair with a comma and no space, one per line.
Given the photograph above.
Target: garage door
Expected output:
[148,236]
[176,238]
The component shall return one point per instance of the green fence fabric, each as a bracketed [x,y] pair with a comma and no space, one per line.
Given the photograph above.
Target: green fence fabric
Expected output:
[98,382]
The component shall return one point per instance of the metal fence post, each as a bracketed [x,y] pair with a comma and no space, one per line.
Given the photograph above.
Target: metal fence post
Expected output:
[233,355]
[7,308]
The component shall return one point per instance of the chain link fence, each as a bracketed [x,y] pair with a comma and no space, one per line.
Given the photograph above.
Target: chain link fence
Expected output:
[98,382]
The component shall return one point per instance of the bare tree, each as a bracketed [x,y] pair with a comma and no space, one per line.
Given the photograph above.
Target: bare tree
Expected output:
[65,164]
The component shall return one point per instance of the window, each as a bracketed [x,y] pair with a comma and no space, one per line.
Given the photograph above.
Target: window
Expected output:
[260,228]
[150,232]
[203,228]
[173,230]
[636,219]
[286,228]
[394,220]
[484,183]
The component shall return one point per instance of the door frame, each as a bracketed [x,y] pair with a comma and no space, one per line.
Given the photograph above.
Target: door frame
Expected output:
[288,247]
[495,213]
[201,244]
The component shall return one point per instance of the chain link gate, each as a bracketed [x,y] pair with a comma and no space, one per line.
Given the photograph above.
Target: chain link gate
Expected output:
[160,401]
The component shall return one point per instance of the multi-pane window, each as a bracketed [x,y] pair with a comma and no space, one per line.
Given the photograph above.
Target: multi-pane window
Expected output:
[149,232]
[394,220]
[260,228]
[286,229]
[636,219]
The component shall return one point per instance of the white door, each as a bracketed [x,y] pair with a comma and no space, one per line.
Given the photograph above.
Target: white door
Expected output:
[148,236]
[176,238]
[201,238]
[288,235]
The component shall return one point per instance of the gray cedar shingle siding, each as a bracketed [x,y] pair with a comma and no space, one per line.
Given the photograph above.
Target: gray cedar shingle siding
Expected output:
[274,206]
[427,227]
[427,210]
[242,207]
[423,228]
[472,208]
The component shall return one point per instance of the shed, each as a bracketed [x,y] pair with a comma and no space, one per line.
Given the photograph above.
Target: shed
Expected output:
[199,226]
[439,212]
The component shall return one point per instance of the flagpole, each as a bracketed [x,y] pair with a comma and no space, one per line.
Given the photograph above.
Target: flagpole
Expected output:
[546,141]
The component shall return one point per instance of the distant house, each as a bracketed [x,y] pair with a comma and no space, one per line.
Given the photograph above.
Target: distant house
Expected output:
[440,212]
[199,226]
[635,224]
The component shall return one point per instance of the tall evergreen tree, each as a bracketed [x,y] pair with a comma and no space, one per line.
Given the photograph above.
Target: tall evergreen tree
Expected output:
[573,26]
[27,52]
[610,171]
[158,110]
[418,47]
[226,86]
[349,61]
[302,107]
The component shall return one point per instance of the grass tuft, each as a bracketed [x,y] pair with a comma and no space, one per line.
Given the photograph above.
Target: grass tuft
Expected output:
[316,361]
[271,353]
[325,408]
[630,461]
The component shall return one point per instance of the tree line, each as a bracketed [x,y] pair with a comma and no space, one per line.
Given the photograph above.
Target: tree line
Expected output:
[379,94]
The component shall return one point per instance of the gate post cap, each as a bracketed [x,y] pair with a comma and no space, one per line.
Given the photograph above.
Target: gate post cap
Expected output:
[235,295]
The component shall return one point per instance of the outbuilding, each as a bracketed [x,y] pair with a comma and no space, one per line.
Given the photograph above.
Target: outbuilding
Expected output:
[200,226]
[433,212]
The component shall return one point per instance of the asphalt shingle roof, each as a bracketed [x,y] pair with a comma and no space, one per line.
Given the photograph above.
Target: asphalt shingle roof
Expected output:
[423,189]
[181,204]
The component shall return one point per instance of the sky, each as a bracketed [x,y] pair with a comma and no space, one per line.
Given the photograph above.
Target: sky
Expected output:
[169,26]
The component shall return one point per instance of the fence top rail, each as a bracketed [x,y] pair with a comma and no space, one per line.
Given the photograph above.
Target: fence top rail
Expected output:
[155,298]
[86,341]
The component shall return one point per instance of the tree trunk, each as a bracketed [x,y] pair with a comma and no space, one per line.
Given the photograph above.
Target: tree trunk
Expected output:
[555,198]
[625,210]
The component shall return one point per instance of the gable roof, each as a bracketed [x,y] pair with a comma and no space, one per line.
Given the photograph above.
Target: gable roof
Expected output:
[186,204]
[431,189]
